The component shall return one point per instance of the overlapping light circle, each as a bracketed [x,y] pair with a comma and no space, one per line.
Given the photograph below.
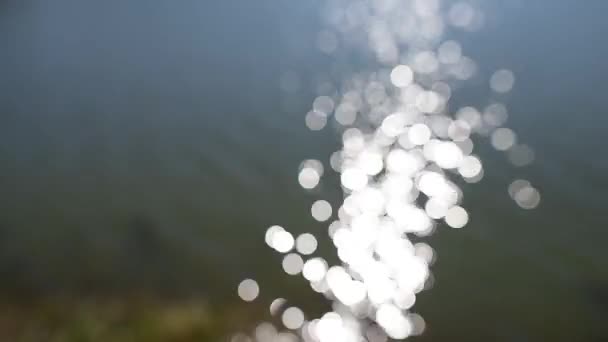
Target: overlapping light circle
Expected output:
[402,147]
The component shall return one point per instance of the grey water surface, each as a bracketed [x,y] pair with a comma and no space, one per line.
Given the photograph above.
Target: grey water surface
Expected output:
[147,145]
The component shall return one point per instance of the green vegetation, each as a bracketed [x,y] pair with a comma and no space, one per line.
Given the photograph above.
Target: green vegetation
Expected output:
[118,320]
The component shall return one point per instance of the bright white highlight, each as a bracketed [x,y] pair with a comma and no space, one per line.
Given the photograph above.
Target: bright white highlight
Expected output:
[457,217]
[321,210]
[292,264]
[402,76]
[248,290]
[470,167]
[292,318]
[306,244]
[419,134]
[282,241]
[354,179]
[314,269]
[404,148]
[308,178]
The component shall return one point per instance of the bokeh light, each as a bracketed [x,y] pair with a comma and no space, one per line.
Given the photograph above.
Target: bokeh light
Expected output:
[502,81]
[321,210]
[248,290]
[292,318]
[403,145]
[292,264]
[306,244]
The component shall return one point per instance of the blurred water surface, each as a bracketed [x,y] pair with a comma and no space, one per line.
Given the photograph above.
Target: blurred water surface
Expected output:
[146,146]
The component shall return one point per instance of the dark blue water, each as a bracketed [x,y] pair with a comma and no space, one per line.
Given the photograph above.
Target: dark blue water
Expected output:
[147,144]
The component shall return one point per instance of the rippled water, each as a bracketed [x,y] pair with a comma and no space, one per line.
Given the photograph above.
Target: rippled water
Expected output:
[150,145]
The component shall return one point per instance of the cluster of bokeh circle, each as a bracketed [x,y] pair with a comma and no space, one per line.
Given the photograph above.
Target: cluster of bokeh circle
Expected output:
[402,146]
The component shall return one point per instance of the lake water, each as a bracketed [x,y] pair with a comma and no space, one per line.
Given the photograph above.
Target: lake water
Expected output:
[148,146]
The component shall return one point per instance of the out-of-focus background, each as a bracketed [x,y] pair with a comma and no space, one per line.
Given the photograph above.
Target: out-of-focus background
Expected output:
[145,147]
